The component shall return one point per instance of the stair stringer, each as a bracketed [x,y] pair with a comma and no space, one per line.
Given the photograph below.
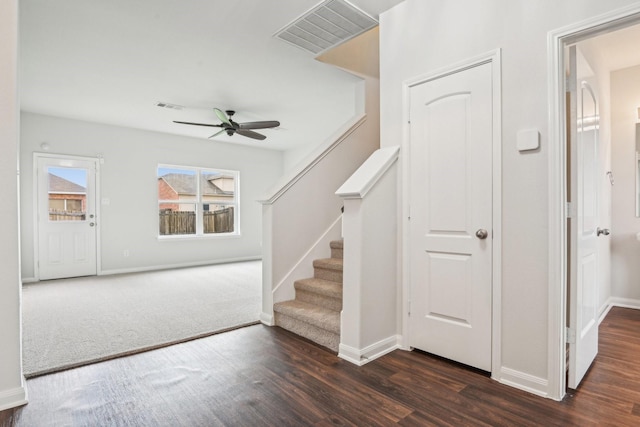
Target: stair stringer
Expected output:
[285,290]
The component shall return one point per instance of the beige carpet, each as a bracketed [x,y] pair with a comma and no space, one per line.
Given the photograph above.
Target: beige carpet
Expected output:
[71,322]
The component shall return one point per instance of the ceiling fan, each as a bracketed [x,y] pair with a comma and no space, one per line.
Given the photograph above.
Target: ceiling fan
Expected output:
[231,127]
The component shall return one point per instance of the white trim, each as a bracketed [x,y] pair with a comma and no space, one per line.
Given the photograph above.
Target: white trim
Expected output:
[494,57]
[13,397]
[267,319]
[174,266]
[556,40]
[366,176]
[625,303]
[289,180]
[523,381]
[496,335]
[36,225]
[448,70]
[604,313]
[369,353]
[618,302]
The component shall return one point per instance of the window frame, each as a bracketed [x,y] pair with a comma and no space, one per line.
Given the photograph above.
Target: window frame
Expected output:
[199,203]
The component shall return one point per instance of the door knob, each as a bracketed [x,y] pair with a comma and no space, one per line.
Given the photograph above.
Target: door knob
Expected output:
[604,231]
[91,224]
[482,234]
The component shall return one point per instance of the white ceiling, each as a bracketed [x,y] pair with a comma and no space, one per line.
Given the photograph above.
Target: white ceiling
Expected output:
[112,61]
[617,49]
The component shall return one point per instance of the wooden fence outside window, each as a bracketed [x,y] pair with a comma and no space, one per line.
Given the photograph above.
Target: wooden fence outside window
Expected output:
[184,222]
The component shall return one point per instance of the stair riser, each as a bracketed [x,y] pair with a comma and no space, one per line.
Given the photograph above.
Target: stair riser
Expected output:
[337,253]
[323,273]
[311,332]
[320,300]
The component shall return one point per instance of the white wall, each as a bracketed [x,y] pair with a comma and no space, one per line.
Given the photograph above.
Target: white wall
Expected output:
[417,37]
[625,249]
[12,391]
[128,180]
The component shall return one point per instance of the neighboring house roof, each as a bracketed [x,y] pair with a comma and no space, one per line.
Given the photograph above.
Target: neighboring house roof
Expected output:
[61,185]
[184,184]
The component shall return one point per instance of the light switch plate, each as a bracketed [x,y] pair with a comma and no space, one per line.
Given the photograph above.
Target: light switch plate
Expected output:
[528,139]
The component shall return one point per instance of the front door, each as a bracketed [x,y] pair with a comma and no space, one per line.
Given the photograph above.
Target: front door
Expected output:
[66,217]
[451,125]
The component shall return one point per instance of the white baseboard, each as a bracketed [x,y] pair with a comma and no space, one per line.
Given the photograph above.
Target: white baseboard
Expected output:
[161,267]
[174,266]
[267,319]
[523,381]
[625,302]
[604,310]
[363,356]
[13,397]
[617,302]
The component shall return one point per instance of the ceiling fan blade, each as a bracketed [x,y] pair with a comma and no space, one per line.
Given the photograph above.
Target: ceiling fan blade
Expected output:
[198,124]
[259,125]
[251,134]
[222,116]
[217,133]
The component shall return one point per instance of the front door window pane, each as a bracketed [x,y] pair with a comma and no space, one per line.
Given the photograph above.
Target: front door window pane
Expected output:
[67,194]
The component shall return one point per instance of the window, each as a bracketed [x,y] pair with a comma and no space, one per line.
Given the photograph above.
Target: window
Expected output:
[67,194]
[196,201]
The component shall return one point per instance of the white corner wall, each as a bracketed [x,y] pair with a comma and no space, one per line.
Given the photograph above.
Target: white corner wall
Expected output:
[12,385]
[418,37]
[369,318]
[128,180]
[625,248]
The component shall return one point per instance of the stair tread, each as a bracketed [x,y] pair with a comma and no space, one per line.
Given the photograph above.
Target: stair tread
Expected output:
[310,313]
[320,286]
[328,263]
[336,244]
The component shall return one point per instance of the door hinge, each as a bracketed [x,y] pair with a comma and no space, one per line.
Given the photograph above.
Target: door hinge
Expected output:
[570,336]
[569,210]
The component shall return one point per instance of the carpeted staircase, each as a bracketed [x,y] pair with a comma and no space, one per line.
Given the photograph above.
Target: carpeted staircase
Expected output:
[315,312]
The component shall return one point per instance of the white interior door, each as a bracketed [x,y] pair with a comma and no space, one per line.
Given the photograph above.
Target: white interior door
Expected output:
[66,217]
[583,270]
[451,216]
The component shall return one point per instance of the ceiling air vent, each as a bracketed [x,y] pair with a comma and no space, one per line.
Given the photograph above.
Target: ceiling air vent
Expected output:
[326,25]
[170,106]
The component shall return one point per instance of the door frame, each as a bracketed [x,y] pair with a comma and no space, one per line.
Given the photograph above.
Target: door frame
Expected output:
[36,225]
[493,57]
[557,40]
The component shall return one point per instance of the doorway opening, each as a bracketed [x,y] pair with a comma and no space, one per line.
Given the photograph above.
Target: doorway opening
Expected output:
[588,37]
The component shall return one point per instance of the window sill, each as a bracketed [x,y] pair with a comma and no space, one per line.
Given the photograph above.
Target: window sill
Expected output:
[183,237]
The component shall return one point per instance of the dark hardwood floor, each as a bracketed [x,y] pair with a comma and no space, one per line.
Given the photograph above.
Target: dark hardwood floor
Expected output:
[259,376]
